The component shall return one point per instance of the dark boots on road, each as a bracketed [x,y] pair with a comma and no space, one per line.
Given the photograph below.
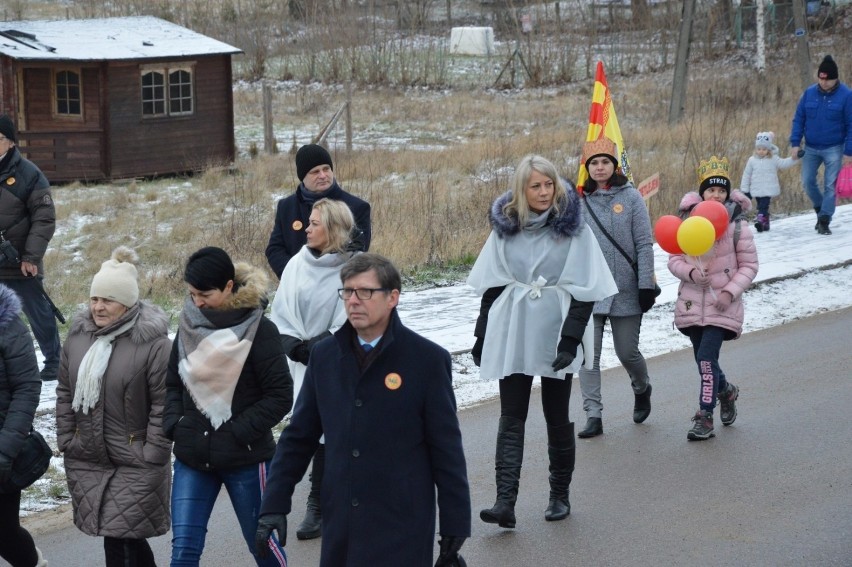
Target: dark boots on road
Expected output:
[311,526]
[507,464]
[642,405]
[594,427]
[561,450]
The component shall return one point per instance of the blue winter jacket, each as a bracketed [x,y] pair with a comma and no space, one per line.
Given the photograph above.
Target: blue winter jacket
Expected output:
[824,119]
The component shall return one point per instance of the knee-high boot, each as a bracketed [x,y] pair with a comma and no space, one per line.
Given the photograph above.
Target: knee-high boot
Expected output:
[507,463]
[562,451]
[311,526]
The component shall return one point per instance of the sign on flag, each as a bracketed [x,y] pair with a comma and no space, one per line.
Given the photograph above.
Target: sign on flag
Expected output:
[603,122]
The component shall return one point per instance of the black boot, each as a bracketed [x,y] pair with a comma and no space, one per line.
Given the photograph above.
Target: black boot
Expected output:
[594,427]
[311,526]
[562,450]
[822,225]
[642,405]
[816,226]
[507,463]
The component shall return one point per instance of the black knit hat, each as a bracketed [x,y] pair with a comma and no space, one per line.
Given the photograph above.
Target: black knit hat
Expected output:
[310,156]
[827,69]
[7,128]
[715,181]
[209,268]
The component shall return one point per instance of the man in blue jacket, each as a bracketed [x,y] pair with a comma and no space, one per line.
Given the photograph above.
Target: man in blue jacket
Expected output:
[316,181]
[383,397]
[824,118]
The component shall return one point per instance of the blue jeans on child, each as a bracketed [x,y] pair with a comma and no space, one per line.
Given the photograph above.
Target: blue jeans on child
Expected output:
[194,493]
[707,344]
[833,159]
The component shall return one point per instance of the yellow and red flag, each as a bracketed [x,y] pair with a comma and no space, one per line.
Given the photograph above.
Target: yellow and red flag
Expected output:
[603,122]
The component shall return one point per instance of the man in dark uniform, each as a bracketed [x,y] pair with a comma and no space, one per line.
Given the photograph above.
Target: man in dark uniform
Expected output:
[383,397]
[27,222]
[316,176]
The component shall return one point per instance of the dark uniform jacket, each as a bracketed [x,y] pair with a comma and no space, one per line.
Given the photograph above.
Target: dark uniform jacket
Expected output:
[391,436]
[291,219]
[27,215]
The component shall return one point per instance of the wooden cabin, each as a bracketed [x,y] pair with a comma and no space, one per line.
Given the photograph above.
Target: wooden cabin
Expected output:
[117,97]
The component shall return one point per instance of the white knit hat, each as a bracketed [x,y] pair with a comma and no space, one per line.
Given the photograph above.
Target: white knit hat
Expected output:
[117,278]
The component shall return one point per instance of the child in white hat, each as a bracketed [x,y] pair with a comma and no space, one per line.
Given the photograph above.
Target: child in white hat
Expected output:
[760,177]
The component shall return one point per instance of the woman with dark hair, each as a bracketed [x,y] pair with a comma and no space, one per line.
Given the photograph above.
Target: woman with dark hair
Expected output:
[617,215]
[307,309]
[20,388]
[109,414]
[539,274]
[227,386]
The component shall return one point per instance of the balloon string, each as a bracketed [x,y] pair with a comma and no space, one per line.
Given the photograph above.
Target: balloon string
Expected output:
[701,267]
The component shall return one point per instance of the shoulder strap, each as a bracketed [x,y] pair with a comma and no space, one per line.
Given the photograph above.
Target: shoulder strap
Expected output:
[630,260]
[737,230]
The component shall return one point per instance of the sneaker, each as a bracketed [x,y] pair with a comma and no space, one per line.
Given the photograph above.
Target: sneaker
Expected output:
[702,427]
[728,405]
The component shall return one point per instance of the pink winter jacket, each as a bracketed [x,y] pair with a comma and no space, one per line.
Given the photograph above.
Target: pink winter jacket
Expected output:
[730,270]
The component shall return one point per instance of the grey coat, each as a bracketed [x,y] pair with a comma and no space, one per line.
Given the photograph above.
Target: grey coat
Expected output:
[117,459]
[623,214]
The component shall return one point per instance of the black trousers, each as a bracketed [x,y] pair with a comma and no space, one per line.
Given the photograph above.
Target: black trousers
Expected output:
[128,553]
[555,395]
[16,543]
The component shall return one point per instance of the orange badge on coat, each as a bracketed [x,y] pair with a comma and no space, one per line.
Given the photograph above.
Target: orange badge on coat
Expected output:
[297,225]
[618,208]
[10,181]
[393,381]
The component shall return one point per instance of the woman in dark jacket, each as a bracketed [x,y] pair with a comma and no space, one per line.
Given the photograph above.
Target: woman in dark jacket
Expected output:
[20,388]
[109,413]
[228,384]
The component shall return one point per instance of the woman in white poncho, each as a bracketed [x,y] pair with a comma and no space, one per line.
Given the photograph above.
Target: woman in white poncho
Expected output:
[307,309]
[539,274]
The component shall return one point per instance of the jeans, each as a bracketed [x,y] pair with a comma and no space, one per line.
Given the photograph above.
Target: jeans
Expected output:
[40,316]
[194,493]
[833,159]
[625,340]
[707,344]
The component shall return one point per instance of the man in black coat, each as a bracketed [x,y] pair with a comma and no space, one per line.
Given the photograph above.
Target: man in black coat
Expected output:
[316,176]
[383,397]
[27,222]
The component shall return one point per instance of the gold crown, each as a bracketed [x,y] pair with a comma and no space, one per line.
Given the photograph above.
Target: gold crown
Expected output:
[602,145]
[713,167]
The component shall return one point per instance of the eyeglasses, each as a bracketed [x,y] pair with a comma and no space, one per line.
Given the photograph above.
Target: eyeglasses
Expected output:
[363,293]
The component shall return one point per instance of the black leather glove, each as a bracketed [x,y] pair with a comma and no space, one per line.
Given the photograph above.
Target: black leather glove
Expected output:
[646,299]
[300,353]
[566,352]
[449,555]
[357,241]
[5,470]
[265,524]
[476,351]
[312,342]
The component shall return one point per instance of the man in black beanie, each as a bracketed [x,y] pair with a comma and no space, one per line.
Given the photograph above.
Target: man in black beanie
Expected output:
[824,118]
[27,222]
[316,181]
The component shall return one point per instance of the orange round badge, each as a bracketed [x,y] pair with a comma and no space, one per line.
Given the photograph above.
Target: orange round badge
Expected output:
[618,208]
[297,225]
[10,181]
[393,381]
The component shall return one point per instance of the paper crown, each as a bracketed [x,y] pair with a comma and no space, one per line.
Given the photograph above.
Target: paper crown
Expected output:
[713,167]
[602,145]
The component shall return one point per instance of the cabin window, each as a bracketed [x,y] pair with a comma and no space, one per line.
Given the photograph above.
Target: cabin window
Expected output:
[68,100]
[167,92]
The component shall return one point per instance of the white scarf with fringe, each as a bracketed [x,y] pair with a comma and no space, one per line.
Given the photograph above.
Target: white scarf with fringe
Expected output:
[93,366]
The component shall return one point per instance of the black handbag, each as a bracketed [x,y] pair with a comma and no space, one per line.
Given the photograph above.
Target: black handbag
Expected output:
[30,464]
[633,264]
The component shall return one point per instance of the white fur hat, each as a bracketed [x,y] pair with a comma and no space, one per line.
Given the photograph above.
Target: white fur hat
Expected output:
[766,140]
[117,279]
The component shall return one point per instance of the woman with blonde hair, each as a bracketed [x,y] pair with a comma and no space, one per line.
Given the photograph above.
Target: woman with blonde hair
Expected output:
[307,309]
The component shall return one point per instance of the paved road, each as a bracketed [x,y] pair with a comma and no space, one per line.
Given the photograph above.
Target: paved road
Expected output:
[774,489]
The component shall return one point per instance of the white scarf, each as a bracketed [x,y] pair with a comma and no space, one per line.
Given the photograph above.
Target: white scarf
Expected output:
[92,369]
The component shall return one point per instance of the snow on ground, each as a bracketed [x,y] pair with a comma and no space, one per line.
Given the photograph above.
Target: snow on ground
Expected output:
[801,274]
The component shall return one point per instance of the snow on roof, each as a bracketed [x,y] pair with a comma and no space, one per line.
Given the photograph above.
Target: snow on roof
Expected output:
[143,37]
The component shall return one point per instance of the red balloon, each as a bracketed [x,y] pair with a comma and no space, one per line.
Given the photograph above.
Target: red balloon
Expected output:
[716,213]
[665,231]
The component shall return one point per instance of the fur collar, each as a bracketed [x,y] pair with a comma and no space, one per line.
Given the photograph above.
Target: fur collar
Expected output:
[568,223]
[10,306]
[151,323]
[253,286]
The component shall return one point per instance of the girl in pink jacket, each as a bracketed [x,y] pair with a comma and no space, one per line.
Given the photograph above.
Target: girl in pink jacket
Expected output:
[709,308]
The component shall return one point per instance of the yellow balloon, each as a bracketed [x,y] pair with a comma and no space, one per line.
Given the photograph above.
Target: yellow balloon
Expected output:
[696,235]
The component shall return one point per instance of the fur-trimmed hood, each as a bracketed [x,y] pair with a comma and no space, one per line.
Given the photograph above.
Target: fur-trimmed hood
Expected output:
[252,288]
[151,323]
[10,306]
[568,223]
[737,204]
